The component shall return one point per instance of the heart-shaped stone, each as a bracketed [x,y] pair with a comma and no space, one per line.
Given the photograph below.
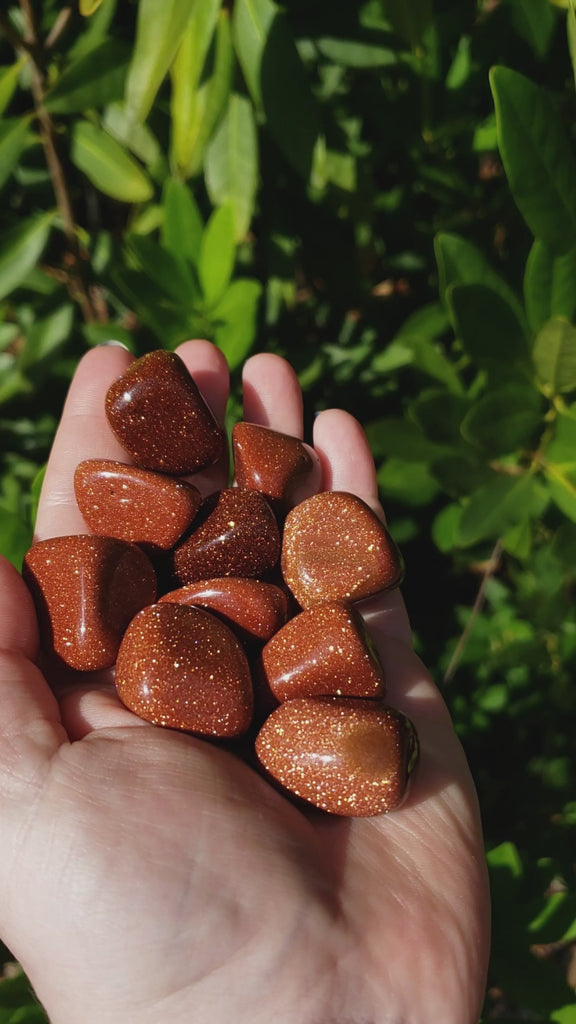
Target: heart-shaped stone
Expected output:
[324,651]
[86,591]
[253,610]
[181,667]
[344,755]
[267,461]
[336,549]
[160,417]
[237,535]
[134,504]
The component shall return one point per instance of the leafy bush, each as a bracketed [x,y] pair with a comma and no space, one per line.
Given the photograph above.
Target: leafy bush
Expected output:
[386,194]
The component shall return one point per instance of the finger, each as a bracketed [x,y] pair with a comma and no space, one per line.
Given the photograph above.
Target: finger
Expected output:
[272,394]
[273,398]
[30,727]
[347,465]
[208,367]
[84,433]
[86,707]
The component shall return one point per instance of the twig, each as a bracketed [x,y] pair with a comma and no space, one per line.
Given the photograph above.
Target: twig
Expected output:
[491,567]
[35,50]
[58,28]
[12,36]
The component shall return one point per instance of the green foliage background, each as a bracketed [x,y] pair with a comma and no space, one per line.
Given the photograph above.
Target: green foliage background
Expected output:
[385,193]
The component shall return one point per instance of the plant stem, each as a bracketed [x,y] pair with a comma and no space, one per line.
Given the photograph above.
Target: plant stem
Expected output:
[77,283]
[491,567]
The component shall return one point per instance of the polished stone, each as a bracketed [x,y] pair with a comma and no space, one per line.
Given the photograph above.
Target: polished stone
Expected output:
[253,610]
[324,651]
[237,536]
[336,549]
[86,590]
[267,461]
[181,667]
[347,756]
[160,417]
[134,504]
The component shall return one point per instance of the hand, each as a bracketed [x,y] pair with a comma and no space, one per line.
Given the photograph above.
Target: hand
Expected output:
[147,876]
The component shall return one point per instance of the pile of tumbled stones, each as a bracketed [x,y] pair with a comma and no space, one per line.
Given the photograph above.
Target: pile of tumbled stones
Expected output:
[255,632]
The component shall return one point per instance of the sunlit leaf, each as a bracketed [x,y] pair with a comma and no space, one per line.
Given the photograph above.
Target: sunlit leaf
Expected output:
[217,255]
[21,248]
[183,225]
[555,356]
[8,81]
[231,167]
[188,99]
[87,7]
[107,165]
[496,506]
[236,317]
[159,31]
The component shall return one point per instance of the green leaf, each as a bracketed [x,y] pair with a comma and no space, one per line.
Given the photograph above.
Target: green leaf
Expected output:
[498,505]
[98,334]
[14,136]
[504,419]
[489,329]
[460,472]
[172,276]
[562,487]
[445,527]
[549,285]
[461,262]
[136,137]
[217,255]
[189,97]
[537,157]
[571,33]
[107,165]
[408,482]
[231,166]
[8,81]
[183,225]
[277,80]
[46,335]
[95,79]
[352,53]
[411,19]
[555,356]
[535,21]
[159,31]
[439,415]
[20,249]
[401,439]
[235,319]
[87,7]
[15,539]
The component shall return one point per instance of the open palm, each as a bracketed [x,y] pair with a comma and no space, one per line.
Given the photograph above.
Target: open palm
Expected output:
[150,876]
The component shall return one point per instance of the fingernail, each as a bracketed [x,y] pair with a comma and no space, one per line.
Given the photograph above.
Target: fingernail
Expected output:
[113,344]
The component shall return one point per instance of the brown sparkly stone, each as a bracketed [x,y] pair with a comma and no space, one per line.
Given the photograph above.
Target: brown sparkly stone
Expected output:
[134,504]
[347,756]
[252,609]
[160,417]
[238,536]
[336,549]
[86,591]
[324,651]
[267,461]
[183,668]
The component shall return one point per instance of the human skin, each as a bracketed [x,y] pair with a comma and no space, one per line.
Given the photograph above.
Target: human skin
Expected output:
[149,876]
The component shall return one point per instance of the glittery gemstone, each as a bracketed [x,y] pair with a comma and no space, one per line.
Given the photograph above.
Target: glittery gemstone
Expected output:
[86,591]
[324,651]
[347,756]
[267,461]
[237,536]
[160,417]
[134,504]
[182,667]
[336,549]
[252,609]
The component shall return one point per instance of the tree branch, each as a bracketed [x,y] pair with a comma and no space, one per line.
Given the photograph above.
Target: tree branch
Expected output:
[491,568]
[35,50]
